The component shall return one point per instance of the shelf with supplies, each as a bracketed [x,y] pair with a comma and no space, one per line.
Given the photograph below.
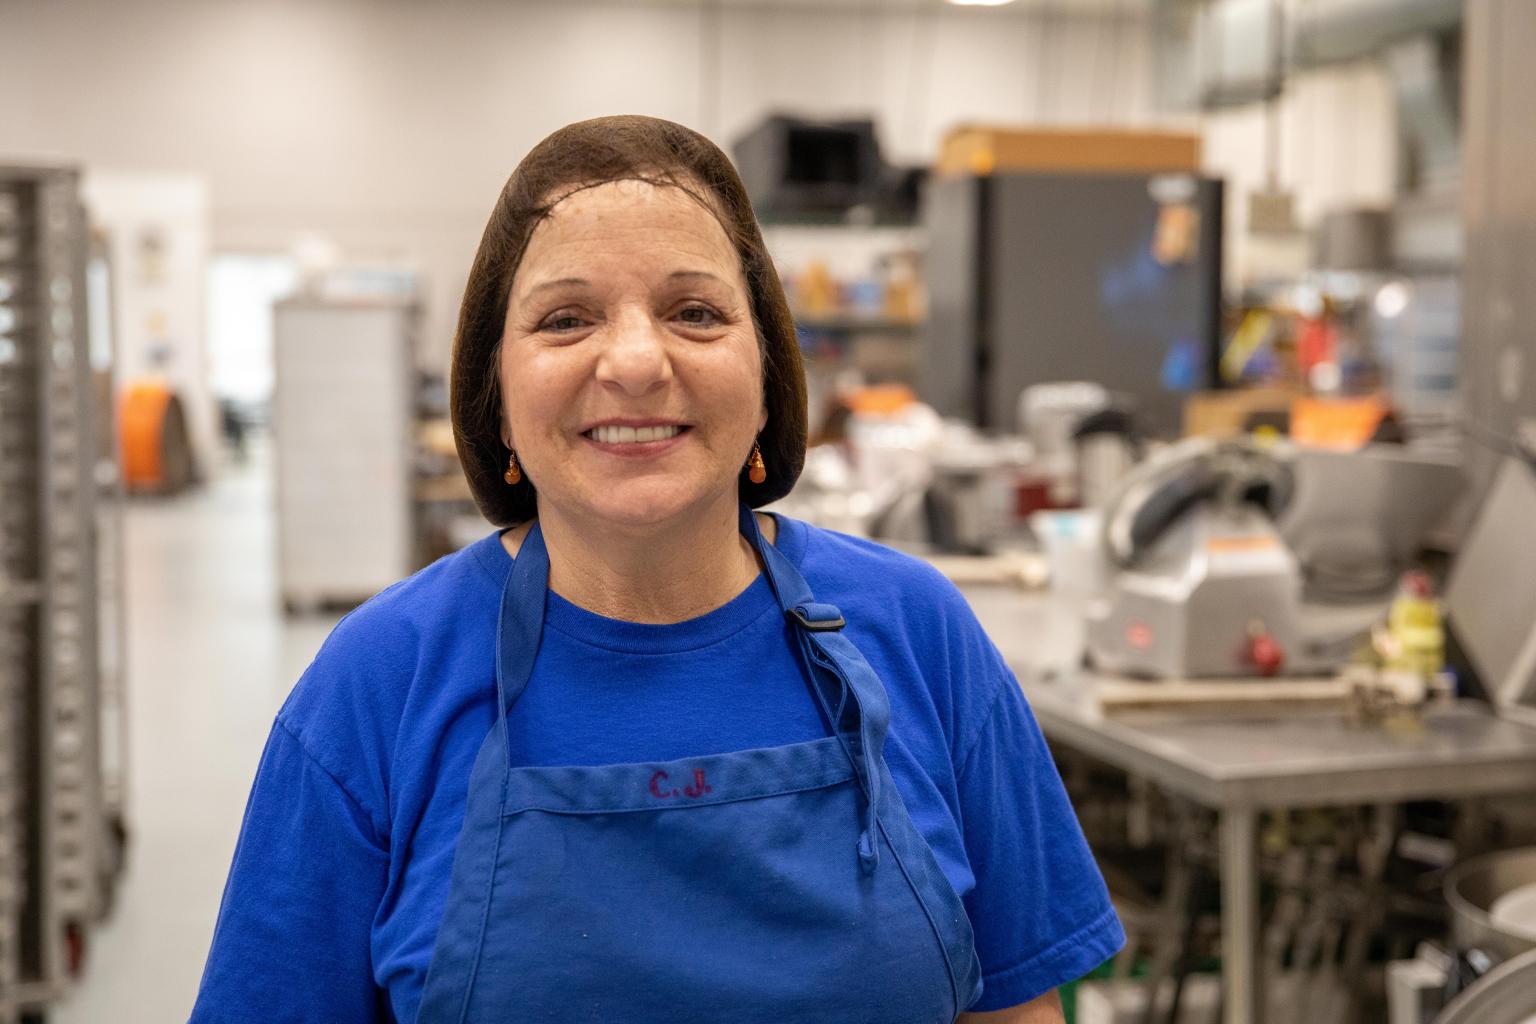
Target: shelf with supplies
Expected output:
[439,478]
[446,516]
[857,295]
[450,489]
[854,324]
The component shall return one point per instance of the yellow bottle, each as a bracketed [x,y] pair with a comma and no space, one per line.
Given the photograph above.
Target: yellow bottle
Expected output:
[1414,624]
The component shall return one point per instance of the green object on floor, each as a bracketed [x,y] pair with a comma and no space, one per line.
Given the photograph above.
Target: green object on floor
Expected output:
[1068,992]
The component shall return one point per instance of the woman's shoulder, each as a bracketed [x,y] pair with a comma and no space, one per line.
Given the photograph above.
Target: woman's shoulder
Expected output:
[917,629]
[898,598]
[869,570]
[426,608]
[398,647]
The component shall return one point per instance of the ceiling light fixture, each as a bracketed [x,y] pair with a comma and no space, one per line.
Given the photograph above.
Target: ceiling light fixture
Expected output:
[980,3]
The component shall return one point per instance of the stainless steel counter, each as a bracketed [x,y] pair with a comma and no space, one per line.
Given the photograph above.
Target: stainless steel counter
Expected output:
[1243,765]
[1295,760]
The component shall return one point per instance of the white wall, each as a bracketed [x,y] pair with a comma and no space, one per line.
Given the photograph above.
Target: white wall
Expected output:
[391,124]
[1338,147]
[241,291]
[157,233]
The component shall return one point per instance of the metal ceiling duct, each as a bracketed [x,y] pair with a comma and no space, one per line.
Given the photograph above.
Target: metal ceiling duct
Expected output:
[1426,78]
[1344,30]
[1247,47]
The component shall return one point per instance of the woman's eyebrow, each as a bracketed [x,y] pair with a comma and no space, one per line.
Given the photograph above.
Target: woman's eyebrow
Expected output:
[557,283]
[678,275]
[581,282]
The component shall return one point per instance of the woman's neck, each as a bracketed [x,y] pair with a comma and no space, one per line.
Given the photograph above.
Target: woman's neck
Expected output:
[669,574]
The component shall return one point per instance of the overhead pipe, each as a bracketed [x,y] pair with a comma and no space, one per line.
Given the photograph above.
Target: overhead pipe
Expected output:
[1345,30]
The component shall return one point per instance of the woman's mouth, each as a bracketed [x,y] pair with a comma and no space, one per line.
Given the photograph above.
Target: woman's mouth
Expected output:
[633,435]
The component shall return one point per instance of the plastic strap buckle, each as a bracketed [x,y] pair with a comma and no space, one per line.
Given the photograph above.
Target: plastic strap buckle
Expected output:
[817,618]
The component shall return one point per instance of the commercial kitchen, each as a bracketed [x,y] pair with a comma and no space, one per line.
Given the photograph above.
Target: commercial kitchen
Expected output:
[1191,342]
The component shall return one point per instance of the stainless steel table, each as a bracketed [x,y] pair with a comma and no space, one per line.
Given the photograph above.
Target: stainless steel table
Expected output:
[1242,766]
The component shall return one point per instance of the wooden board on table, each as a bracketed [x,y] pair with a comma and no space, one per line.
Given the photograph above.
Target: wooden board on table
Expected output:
[1021,569]
[1222,696]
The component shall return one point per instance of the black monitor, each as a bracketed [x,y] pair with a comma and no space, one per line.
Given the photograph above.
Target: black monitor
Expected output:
[796,166]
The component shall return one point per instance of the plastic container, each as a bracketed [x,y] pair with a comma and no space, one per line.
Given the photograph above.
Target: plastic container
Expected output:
[1073,550]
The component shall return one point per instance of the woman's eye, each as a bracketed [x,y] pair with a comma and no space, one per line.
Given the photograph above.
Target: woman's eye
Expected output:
[698,316]
[562,322]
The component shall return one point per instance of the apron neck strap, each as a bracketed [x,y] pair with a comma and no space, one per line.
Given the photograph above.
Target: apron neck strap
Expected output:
[521,622]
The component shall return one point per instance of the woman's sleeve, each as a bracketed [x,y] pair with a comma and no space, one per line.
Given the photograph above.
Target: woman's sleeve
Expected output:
[1040,909]
[292,939]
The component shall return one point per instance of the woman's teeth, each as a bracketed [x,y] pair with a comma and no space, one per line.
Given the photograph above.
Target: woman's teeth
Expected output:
[632,435]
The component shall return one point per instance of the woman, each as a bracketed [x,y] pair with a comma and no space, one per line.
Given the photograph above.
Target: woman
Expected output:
[645,755]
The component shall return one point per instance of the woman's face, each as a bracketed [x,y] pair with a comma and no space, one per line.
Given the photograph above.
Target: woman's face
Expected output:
[629,368]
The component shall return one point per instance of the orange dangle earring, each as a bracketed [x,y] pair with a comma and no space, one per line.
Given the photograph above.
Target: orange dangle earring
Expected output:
[514,472]
[756,471]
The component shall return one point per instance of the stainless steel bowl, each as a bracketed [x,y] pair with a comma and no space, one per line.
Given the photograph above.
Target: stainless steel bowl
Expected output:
[1472,887]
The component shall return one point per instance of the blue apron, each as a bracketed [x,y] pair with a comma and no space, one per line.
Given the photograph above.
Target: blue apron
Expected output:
[785,884]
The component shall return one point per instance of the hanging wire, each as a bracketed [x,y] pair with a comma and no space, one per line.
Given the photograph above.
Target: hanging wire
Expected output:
[1273,137]
[1036,49]
[1202,60]
[869,53]
[1117,13]
[919,72]
[1042,69]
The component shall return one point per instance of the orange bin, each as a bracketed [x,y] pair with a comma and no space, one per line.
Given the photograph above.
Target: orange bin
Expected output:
[153,428]
[1340,423]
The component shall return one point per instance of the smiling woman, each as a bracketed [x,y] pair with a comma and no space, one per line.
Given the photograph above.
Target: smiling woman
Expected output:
[681,177]
[625,387]
[632,388]
[625,759]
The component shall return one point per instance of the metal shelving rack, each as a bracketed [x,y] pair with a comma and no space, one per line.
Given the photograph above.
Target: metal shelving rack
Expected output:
[58,847]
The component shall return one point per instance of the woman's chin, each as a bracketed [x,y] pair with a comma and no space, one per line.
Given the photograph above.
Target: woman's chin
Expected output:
[649,504]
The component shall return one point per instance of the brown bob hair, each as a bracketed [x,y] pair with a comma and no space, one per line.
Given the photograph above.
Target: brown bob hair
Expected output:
[583,155]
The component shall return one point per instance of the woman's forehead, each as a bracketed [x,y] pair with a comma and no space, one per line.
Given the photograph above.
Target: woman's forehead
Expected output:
[629,202]
[625,219]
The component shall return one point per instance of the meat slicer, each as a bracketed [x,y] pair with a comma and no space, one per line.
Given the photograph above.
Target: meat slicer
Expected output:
[1235,558]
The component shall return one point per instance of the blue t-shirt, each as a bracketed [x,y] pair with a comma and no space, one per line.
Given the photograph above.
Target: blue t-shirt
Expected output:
[342,868]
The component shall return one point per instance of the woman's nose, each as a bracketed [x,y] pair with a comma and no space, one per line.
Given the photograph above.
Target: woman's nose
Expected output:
[635,357]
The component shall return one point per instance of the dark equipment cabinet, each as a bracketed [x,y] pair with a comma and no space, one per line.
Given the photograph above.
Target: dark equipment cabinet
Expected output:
[1044,277]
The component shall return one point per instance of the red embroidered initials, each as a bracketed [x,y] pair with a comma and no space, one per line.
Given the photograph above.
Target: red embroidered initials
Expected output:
[661,791]
[699,787]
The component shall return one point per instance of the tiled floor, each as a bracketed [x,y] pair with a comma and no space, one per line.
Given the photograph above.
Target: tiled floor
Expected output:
[210,659]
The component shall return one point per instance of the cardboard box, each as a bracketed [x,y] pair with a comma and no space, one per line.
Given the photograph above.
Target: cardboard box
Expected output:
[984,149]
